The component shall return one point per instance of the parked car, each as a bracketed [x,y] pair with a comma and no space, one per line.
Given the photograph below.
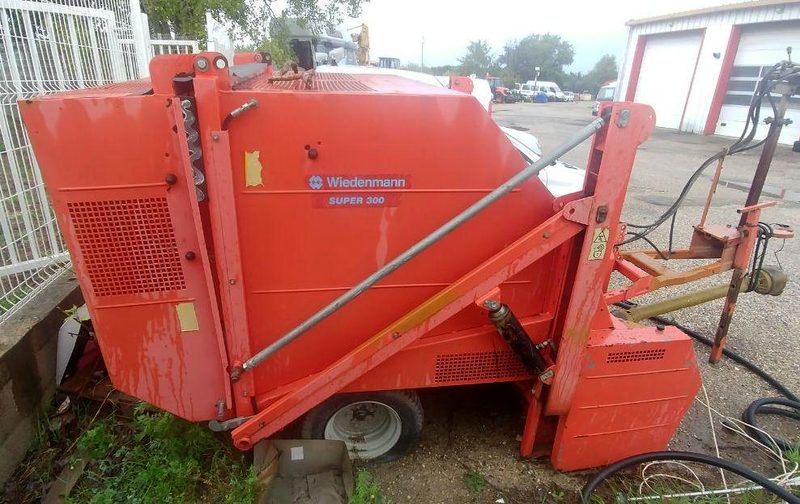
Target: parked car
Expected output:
[606,93]
[569,96]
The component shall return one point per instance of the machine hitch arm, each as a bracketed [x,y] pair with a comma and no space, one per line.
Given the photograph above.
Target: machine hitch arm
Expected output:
[470,212]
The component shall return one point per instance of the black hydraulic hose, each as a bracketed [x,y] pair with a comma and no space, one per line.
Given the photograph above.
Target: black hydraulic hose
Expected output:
[758,407]
[701,458]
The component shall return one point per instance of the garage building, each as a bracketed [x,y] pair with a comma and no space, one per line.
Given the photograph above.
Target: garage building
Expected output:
[698,69]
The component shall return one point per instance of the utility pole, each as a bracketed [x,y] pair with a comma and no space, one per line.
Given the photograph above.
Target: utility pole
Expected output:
[422,54]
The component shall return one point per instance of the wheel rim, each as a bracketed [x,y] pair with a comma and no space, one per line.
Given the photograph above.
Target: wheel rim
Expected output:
[368,428]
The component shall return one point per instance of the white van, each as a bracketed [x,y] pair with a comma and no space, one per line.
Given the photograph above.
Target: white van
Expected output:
[549,88]
[526,91]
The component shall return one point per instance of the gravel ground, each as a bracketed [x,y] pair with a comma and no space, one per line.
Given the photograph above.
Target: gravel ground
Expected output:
[477,429]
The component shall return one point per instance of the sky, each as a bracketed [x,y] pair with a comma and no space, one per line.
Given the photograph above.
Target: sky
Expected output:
[595,28]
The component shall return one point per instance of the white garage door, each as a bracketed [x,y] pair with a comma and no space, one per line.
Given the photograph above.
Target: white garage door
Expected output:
[759,49]
[666,75]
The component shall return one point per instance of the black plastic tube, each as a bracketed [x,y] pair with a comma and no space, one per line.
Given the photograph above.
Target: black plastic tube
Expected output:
[701,458]
[757,407]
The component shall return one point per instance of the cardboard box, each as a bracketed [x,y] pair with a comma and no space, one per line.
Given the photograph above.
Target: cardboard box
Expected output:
[303,471]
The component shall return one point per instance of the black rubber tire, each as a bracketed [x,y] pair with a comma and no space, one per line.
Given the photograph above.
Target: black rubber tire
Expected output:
[405,402]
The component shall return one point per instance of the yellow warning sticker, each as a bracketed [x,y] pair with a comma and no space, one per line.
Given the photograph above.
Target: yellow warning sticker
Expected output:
[187,317]
[252,169]
[597,250]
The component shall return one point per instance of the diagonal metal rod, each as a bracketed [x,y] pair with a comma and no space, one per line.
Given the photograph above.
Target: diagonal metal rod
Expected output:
[529,171]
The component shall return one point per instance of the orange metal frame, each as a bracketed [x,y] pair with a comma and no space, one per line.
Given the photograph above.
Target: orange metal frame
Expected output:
[199,286]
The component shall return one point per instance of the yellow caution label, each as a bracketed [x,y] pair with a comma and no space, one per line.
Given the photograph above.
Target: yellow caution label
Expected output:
[187,317]
[252,169]
[597,250]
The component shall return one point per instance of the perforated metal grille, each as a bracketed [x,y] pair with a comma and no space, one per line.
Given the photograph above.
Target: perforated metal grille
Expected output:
[127,246]
[478,366]
[636,355]
[336,82]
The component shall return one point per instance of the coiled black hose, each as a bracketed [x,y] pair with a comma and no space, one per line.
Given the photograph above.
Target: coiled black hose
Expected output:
[757,407]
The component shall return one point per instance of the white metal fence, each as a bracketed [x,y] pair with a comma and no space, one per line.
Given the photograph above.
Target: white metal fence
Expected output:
[51,46]
[160,46]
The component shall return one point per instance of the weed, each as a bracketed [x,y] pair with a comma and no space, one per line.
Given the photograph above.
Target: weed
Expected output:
[793,455]
[368,490]
[160,458]
[474,481]
[96,441]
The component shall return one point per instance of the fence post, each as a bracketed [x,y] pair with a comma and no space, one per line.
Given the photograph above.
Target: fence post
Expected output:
[140,39]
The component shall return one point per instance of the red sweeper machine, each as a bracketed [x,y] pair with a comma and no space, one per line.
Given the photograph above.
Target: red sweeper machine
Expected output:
[257,249]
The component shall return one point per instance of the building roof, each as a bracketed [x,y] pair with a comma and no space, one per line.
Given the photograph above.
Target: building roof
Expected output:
[711,10]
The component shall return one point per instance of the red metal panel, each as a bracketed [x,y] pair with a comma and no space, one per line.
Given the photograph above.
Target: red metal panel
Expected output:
[303,244]
[611,161]
[635,386]
[129,232]
[722,82]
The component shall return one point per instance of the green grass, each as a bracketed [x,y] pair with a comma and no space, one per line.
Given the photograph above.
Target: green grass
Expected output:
[793,455]
[367,489]
[159,458]
[474,481]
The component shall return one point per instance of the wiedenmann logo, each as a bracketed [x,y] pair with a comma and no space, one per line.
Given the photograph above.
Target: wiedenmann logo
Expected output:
[317,182]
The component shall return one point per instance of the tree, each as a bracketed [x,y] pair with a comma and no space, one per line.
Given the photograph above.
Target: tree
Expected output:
[574,81]
[478,59]
[604,70]
[255,23]
[187,18]
[444,70]
[548,52]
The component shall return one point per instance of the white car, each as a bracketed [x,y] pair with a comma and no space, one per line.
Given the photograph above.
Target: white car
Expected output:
[606,93]
[560,178]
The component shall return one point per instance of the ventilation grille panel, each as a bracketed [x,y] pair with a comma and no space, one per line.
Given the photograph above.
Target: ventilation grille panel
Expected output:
[322,81]
[128,246]
[478,366]
[636,355]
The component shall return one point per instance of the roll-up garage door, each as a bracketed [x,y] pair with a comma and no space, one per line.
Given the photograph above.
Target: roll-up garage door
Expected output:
[760,47]
[666,74]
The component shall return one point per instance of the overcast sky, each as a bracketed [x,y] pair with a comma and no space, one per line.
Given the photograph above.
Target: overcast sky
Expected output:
[594,28]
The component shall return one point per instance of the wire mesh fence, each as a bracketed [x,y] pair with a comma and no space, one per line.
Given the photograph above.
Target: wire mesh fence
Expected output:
[50,46]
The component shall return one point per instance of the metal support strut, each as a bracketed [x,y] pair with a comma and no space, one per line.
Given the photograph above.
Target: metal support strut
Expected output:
[745,227]
[528,172]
